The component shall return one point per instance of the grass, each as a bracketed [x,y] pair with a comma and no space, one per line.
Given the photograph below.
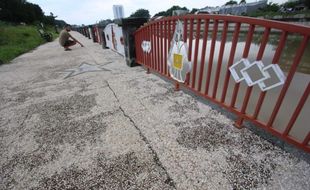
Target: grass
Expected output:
[18,39]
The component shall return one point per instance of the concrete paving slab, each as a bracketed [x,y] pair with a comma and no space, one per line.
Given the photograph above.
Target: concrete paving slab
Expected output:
[120,128]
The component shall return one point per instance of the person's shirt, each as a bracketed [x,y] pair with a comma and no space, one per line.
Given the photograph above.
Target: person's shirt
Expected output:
[63,37]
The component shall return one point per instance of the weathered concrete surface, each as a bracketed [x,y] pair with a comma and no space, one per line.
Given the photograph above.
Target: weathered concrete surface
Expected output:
[120,128]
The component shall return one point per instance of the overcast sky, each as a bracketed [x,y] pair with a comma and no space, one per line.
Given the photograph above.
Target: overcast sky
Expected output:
[92,11]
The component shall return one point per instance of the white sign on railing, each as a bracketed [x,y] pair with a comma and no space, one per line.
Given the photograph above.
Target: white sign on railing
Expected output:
[178,62]
[146,46]
[267,77]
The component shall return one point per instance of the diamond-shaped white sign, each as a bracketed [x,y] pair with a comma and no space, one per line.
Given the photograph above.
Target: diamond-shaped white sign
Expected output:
[253,73]
[236,68]
[275,77]
[256,73]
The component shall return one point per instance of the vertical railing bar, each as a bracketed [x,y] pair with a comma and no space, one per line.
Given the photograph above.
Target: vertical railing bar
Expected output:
[298,109]
[147,39]
[185,30]
[155,53]
[188,76]
[203,54]
[249,89]
[169,34]
[153,47]
[149,54]
[139,41]
[275,60]
[211,56]
[169,38]
[289,78]
[165,47]
[156,45]
[161,46]
[173,27]
[150,40]
[158,48]
[196,52]
[231,59]
[185,40]
[143,53]
[245,55]
[263,44]
[307,139]
[220,59]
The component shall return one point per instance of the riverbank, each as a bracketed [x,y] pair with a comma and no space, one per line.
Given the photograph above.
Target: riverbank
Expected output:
[18,39]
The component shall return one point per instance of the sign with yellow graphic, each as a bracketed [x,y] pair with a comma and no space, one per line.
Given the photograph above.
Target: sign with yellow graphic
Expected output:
[177,61]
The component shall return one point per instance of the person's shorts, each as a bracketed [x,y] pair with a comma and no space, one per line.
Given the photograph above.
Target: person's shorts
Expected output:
[69,43]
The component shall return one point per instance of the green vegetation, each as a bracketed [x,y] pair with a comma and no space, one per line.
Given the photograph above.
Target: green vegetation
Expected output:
[18,27]
[287,9]
[22,11]
[169,11]
[231,2]
[18,39]
[141,13]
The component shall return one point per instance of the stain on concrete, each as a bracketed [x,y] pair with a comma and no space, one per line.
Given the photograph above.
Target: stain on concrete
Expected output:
[183,106]
[244,172]
[139,85]
[60,110]
[161,98]
[24,162]
[122,172]
[22,96]
[251,161]
[57,125]
[77,133]
[202,132]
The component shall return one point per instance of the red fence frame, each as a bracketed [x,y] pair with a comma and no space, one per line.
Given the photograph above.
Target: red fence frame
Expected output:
[157,62]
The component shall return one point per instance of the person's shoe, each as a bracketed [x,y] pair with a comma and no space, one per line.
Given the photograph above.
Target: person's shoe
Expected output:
[68,49]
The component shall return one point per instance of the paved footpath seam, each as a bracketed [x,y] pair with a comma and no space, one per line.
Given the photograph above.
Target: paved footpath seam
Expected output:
[169,180]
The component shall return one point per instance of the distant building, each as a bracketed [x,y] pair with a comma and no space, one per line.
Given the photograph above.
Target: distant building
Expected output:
[179,12]
[238,9]
[118,11]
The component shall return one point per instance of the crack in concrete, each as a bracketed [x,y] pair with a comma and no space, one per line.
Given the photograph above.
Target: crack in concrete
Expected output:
[26,117]
[169,180]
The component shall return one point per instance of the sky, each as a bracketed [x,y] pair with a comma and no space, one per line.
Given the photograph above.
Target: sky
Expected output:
[92,11]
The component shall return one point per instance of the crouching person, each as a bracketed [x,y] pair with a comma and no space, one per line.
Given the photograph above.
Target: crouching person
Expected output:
[65,36]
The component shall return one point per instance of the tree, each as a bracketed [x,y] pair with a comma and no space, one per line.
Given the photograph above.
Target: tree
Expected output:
[141,13]
[50,20]
[231,2]
[161,13]
[20,11]
[193,11]
[271,7]
[307,3]
[242,1]
[103,23]
[174,8]
[170,10]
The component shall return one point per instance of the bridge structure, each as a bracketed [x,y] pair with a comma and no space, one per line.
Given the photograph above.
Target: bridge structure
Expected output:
[281,111]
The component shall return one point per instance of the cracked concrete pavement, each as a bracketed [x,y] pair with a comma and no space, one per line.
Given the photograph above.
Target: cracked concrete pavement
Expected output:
[120,128]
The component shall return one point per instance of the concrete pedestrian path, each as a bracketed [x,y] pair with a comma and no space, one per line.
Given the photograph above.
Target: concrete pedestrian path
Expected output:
[82,119]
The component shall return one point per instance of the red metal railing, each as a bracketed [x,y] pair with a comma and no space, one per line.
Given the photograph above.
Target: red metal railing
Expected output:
[209,31]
